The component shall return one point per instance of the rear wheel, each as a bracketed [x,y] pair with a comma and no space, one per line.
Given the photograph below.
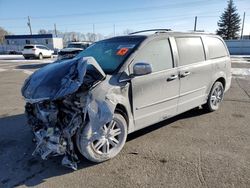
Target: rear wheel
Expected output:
[40,56]
[105,142]
[215,97]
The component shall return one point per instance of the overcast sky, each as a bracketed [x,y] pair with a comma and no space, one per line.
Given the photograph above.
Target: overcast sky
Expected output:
[73,15]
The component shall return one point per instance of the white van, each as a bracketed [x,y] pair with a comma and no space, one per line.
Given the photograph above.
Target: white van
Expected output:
[120,85]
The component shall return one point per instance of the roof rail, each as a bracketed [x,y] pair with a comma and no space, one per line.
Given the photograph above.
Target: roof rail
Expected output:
[144,31]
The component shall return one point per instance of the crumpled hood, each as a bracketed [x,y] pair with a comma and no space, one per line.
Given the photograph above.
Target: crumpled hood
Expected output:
[58,79]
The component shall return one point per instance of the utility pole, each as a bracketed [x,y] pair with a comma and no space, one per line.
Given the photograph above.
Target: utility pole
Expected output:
[243,22]
[195,23]
[114,29]
[94,32]
[93,28]
[55,30]
[29,25]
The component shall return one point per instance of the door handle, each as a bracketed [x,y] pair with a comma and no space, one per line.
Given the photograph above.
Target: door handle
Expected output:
[185,74]
[172,77]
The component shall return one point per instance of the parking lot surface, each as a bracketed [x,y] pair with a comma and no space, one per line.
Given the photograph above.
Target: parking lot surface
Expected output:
[194,149]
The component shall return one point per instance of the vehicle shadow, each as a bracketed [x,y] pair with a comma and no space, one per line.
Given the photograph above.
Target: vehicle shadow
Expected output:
[18,166]
[189,114]
[32,66]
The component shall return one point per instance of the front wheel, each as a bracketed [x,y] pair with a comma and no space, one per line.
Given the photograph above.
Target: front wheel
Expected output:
[99,144]
[215,97]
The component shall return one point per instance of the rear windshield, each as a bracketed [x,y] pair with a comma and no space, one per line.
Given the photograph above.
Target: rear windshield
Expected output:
[28,47]
[74,45]
[83,46]
[110,54]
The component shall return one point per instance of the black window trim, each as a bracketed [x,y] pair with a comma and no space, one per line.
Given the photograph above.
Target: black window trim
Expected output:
[227,54]
[203,47]
[152,40]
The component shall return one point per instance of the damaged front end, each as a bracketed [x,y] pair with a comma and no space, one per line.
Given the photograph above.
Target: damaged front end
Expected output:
[58,100]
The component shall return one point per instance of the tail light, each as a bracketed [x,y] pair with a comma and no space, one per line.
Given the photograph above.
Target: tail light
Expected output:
[33,49]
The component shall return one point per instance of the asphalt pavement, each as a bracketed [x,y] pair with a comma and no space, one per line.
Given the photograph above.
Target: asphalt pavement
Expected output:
[194,149]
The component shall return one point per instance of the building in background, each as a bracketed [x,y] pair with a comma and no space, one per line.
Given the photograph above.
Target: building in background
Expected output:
[15,43]
[238,47]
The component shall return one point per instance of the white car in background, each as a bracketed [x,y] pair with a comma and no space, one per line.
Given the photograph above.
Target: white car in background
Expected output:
[36,51]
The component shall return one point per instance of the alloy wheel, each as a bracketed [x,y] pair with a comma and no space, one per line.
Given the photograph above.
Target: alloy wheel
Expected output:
[108,138]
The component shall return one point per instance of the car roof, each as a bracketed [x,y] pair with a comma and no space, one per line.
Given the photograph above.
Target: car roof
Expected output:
[83,42]
[162,32]
[34,45]
[174,33]
[147,34]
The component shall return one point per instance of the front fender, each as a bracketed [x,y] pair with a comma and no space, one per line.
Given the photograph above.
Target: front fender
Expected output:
[113,94]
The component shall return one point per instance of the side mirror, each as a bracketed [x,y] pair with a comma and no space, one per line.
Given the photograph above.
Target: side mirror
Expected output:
[140,69]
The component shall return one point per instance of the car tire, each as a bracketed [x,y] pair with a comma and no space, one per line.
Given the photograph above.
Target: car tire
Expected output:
[40,56]
[103,143]
[215,97]
[26,58]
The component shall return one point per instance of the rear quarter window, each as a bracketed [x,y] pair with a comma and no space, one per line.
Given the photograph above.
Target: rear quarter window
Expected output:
[40,47]
[216,47]
[190,50]
[28,47]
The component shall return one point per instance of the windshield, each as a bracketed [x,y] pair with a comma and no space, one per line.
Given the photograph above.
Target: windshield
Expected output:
[110,54]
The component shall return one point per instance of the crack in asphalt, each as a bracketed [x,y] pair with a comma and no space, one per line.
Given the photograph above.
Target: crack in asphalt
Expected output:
[237,81]
[200,174]
[236,100]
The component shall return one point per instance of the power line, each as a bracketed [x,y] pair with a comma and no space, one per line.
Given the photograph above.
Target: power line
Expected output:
[125,11]
[117,22]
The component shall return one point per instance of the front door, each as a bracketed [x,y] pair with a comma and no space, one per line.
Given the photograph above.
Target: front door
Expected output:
[155,96]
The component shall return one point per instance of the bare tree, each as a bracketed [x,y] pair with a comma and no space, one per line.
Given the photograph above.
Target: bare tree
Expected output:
[74,36]
[3,32]
[127,31]
[91,36]
[42,31]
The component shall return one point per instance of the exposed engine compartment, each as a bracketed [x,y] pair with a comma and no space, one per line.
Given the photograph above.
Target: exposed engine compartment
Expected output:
[54,123]
[61,110]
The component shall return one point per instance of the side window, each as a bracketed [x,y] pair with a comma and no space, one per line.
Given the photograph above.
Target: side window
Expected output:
[190,50]
[42,47]
[216,47]
[157,53]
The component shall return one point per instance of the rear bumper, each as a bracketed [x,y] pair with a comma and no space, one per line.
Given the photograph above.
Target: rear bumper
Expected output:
[30,55]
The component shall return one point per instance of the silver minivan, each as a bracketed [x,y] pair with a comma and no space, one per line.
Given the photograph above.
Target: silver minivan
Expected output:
[87,105]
